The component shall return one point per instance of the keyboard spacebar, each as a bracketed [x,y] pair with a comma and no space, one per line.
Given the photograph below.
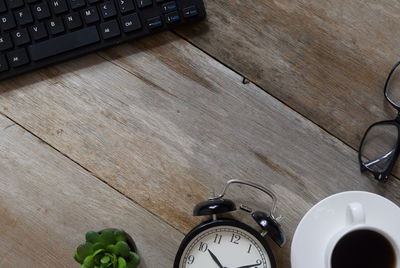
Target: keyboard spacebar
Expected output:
[64,43]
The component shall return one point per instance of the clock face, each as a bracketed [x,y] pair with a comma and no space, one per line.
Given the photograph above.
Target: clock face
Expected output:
[225,246]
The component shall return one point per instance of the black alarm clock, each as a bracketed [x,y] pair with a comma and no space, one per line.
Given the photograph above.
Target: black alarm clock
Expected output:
[229,243]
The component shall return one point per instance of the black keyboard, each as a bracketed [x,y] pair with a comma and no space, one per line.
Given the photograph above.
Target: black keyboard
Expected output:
[38,33]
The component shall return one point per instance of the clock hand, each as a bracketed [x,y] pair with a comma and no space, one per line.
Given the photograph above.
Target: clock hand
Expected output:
[216,259]
[250,266]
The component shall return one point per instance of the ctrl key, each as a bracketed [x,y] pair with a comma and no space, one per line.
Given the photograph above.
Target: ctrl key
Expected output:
[18,57]
[3,64]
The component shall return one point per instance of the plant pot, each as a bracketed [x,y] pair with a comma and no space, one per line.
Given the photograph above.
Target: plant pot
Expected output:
[107,248]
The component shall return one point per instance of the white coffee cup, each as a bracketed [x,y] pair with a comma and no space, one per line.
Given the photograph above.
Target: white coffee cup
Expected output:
[356,221]
[339,216]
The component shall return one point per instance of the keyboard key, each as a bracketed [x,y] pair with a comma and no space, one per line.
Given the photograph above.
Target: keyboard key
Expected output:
[3,64]
[154,22]
[190,12]
[109,29]
[7,22]
[172,17]
[90,15]
[108,9]
[3,7]
[21,37]
[126,6]
[41,11]
[15,3]
[5,42]
[77,3]
[18,57]
[73,21]
[55,26]
[169,7]
[144,3]
[58,6]
[64,43]
[130,23]
[24,16]
[38,31]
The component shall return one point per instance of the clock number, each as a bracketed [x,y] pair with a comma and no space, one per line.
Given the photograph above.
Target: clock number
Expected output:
[217,239]
[235,239]
[203,247]
[190,259]
[249,248]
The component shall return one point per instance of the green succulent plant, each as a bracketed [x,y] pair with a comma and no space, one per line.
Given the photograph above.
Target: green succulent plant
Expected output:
[106,249]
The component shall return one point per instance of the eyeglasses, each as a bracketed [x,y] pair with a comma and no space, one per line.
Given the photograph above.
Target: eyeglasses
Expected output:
[380,146]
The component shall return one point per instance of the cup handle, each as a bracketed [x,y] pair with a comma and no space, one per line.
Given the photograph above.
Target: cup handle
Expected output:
[355,214]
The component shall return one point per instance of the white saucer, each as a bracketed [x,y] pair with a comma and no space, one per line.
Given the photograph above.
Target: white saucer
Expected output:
[328,217]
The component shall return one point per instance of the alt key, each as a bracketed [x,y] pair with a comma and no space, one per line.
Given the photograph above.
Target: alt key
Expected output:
[109,29]
[18,57]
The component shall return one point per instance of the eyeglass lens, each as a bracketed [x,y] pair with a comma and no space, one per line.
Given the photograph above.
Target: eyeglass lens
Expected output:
[393,87]
[379,145]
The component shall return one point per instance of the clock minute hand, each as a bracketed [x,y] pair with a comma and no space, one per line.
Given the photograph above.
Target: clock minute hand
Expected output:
[250,266]
[216,259]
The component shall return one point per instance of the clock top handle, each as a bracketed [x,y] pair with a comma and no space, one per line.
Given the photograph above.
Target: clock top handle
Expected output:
[254,185]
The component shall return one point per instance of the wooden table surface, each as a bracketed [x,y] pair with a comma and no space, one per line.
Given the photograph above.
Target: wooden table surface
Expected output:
[274,91]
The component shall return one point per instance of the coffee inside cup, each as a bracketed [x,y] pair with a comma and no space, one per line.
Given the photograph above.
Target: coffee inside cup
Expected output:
[363,249]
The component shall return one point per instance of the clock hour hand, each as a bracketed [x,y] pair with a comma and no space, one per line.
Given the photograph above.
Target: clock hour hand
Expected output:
[216,259]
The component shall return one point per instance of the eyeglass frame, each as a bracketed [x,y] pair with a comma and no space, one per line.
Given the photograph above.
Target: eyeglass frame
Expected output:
[383,176]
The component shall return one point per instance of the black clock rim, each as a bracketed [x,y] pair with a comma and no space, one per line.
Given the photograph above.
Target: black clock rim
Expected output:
[222,222]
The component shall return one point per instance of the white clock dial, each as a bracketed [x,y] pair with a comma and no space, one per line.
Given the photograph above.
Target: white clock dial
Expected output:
[232,247]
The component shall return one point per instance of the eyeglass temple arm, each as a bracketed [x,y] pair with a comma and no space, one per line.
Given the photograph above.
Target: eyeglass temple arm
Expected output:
[383,157]
[255,185]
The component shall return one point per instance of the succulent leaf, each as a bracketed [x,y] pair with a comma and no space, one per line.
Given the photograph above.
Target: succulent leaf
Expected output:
[105,259]
[112,249]
[134,259]
[121,263]
[89,261]
[120,235]
[98,246]
[92,237]
[84,250]
[97,252]
[107,237]
[122,249]
[76,257]
[115,261]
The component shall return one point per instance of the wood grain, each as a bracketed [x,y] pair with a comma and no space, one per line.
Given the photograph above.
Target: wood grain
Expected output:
[48,203]
[166,124]
[326,59]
